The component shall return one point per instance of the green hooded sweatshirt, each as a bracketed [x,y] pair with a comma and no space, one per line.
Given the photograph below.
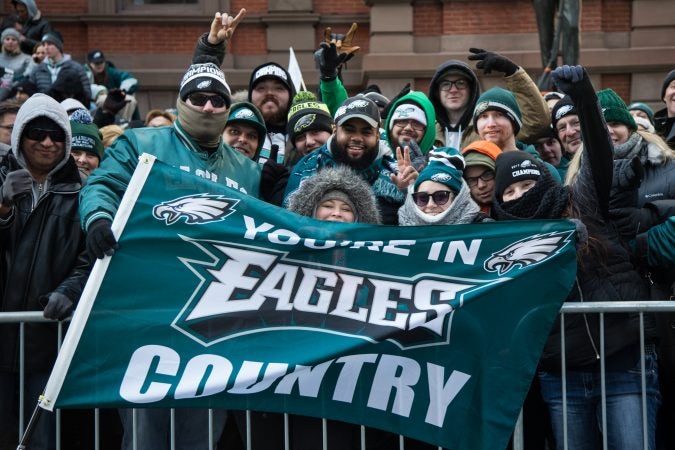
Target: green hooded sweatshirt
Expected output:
[419,99]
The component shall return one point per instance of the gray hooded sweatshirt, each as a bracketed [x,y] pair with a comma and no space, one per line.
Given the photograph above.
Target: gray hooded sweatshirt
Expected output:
[40,105]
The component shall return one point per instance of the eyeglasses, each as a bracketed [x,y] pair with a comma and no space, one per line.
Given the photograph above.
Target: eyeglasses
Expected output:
[440,198]
[40,134]
[459,84]
[413,123]
[217,101]
[485,176]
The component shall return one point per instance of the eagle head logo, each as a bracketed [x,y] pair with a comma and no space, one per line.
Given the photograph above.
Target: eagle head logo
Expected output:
[304,122]
[195,209]
[527,252]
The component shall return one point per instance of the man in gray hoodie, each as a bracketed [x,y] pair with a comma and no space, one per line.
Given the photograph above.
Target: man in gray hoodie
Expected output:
[33,25]
[43,263]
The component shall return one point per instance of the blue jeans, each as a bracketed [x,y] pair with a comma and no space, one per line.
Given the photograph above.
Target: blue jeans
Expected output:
[584,410]
[153,427]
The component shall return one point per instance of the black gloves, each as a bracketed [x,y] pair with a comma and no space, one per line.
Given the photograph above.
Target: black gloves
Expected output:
[417,159]
[632,221]
[100,239]
[489,61]
[335,50]
[16,183]
[115,101]
[328,59]
[572,80]
[58,306]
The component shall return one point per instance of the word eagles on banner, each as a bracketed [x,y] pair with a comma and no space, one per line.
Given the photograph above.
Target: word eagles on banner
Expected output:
[219,300]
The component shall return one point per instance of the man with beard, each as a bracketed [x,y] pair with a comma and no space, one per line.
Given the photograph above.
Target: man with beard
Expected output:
[194,143]
[411,123]
[356,144]
[270,88]
[271,91]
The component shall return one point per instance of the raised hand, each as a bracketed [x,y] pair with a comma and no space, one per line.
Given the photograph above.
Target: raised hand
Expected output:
[489,61]
[572,80]
[328,60]
[406,174]
[223,27]
[344,49]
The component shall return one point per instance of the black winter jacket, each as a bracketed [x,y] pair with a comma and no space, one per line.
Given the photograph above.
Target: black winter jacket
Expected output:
[42,250]
[609,276]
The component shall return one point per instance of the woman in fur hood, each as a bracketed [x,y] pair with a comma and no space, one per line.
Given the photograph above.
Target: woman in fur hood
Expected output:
[440,196]
[336,194]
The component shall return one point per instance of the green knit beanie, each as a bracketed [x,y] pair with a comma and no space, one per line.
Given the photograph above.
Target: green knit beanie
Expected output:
[501,100]
[248,114]
[644,108]
[86,137]
[445,166]
[614,109]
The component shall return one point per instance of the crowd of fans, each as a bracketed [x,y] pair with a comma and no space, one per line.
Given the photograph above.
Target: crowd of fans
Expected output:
[71,134]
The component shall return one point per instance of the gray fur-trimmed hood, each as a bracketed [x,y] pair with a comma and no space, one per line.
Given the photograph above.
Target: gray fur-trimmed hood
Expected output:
[306,198]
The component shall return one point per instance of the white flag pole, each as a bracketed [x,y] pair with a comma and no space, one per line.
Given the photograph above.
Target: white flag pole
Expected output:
[84,306]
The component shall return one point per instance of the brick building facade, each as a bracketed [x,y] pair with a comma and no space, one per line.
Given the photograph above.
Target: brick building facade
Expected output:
[628,45]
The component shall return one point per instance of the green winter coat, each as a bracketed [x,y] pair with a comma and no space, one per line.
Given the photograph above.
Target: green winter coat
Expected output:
[101,196]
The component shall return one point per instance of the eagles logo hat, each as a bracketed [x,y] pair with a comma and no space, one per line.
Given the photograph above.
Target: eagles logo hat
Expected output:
[307,114]
[95,56]
[515,166]
[563,108]
[499,99]
[248,114]
[358,108]
[204,77]
[446,166]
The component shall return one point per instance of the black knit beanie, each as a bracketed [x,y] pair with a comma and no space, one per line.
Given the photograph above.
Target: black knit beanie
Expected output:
[204,75]
[563,108]
[307,114]
[514,166]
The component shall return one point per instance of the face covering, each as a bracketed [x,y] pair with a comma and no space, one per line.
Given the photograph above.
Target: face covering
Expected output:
[205,128]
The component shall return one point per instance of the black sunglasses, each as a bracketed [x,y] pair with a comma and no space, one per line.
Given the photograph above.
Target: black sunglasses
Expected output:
[218,101]
[440,198]
[39,134]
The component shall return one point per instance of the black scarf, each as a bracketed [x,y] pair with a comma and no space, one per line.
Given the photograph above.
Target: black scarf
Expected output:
[546,200]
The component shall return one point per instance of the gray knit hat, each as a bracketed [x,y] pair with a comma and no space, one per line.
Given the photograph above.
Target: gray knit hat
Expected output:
[55,38]
[10,32]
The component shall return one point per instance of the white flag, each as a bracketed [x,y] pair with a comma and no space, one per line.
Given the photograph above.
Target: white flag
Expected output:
[294,71]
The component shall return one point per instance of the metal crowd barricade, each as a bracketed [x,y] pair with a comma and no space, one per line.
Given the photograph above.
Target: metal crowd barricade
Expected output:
[600,308]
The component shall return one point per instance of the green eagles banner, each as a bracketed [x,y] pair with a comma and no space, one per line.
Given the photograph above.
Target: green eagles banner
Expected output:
[215,299]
